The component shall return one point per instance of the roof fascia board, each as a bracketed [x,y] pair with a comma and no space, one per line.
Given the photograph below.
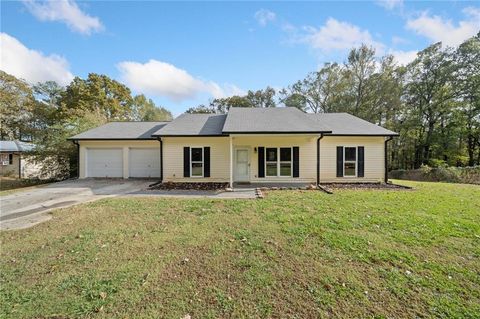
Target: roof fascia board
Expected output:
[279,133]
[191,135]
[111,139]
[365,135]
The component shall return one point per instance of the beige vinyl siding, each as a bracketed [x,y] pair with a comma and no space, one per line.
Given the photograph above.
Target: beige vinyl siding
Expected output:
[374,158]
[125,145]
[307,154]
[219,158]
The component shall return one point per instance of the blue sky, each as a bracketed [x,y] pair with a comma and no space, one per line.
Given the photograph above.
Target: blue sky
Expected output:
[182,54]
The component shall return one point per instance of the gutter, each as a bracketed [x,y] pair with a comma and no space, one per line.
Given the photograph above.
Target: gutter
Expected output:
[386,157]
[318,158]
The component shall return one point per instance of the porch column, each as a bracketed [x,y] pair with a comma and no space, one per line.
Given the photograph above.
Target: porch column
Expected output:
[231,162]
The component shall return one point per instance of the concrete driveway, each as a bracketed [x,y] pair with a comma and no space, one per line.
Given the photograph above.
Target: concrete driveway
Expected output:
[23,209]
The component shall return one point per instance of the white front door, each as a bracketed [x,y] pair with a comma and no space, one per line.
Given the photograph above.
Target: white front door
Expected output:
[242,165]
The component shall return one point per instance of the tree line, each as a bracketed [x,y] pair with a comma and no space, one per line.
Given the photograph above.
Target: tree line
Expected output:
[47,114]
[433,102]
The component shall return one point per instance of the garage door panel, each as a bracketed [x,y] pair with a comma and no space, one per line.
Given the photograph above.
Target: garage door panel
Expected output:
[144,162]
[105,162]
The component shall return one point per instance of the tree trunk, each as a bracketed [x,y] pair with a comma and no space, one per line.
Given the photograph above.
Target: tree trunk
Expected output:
[471,150]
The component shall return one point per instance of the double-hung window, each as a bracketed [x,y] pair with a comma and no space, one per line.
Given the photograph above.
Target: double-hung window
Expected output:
[278,161]
[271,162]
[286,161]
[350,162]
[196,162]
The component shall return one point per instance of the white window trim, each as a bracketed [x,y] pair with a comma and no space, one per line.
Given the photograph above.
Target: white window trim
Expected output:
[278,162]
[355,161]
[195,162]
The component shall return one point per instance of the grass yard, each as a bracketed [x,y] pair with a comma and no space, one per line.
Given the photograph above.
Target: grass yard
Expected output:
[297,254]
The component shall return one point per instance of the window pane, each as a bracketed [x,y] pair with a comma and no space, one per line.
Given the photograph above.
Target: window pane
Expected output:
[271,154]
[196,154]
[285,154]
[349,169]
[271,169]
[350,153]
[197,169]
[285,169]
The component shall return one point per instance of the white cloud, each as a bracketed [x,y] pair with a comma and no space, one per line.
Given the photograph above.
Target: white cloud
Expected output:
[264,16]
[66,11]
[163,79]
[338,35]
[404,57]
[31,65]
[399,40]
[437,29]
[390,4]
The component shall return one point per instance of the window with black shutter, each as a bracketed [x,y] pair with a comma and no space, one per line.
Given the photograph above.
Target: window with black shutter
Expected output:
[350,161]
[186,161]
[339,161]
[296,161]
[206,161]
[361,161]
[261,162]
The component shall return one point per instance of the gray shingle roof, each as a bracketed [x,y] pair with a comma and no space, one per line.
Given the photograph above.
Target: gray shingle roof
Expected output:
[194,124]
[347,124]
[121,131]
[271,120]
[239,120]
[15,146]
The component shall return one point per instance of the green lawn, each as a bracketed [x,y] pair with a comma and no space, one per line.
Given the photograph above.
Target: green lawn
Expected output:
[297,254]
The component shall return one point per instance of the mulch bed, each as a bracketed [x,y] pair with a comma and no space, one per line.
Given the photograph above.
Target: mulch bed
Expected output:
[189,186]
[336,186]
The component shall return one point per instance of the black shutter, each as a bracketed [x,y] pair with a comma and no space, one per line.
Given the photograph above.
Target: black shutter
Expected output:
[361,161]
[261,162]
[186,161]
[339,161]
[10,159]
[296,161]
[206,161]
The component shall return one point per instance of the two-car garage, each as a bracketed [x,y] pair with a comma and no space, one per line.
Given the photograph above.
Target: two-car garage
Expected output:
[120,150]
[122,162]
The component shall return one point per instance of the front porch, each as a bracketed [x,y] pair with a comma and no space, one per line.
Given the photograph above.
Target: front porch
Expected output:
[264,160]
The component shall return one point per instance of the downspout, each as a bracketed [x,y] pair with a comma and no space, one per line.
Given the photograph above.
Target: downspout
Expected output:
[78,157]
[386,157]
[161,158]
[318,158]
[19,165]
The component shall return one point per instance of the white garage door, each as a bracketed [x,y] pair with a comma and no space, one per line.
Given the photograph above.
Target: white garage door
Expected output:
[144,162]
[104,162]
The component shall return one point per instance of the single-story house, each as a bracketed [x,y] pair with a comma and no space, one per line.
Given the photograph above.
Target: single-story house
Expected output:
[267,145]
[12,163]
